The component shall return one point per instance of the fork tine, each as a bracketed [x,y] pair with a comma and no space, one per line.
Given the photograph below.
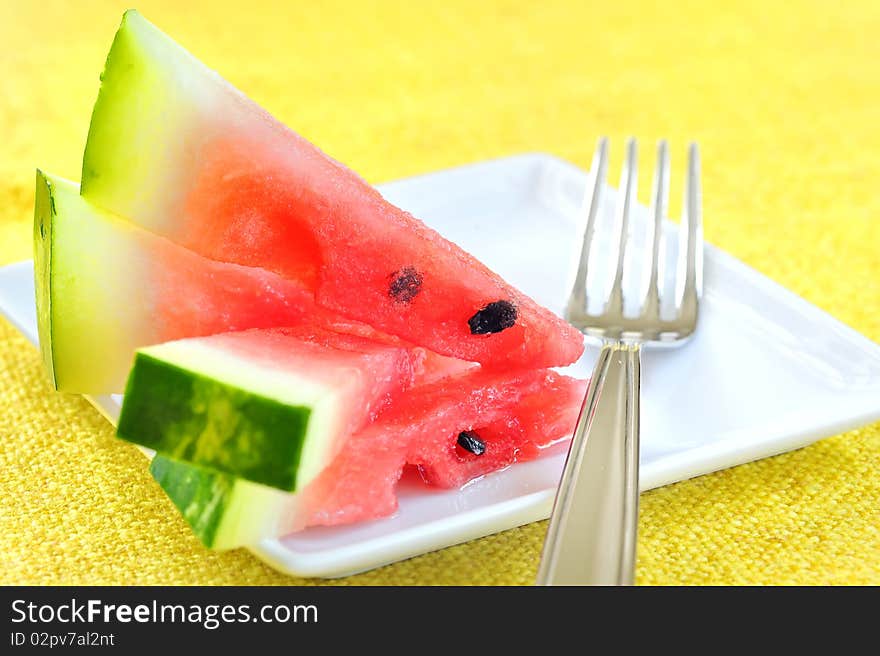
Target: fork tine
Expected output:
[689,281]
[628,183]
[577,299]
[659,205]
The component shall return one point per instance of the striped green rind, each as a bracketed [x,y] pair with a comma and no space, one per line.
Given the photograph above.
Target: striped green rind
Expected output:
[200,420]
[44,215]
[224,512]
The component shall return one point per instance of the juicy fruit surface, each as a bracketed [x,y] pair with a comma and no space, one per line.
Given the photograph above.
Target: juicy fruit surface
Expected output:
[177,149]
[506,410]
[105,288]
[534,422]
[270,406]
[366,258]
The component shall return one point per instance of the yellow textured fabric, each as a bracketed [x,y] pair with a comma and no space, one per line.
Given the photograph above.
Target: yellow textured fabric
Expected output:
[783,97]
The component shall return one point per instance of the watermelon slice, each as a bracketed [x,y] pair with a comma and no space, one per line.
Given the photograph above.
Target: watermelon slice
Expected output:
[507,410]
[176,149]
[105,287]
[270,406]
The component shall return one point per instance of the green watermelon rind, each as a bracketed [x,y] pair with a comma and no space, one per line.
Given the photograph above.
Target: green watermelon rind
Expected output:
[224,512]
[44,222]
[202,417]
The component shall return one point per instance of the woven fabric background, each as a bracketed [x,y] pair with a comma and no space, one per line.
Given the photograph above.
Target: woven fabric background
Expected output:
[784,99]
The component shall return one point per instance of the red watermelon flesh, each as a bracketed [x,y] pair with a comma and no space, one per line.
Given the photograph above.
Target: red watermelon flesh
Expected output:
[366,258]
[219,298]
[195,296]
[508,410]
[429,366]
[450,460]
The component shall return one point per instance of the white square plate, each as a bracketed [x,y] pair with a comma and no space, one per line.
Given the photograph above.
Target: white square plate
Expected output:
[766,372]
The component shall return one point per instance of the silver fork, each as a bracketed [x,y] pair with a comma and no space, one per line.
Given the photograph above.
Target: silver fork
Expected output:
[592,534]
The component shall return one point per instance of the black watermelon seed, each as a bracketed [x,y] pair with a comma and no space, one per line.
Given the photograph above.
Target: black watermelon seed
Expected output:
[470,441]
[493,318]
[405,285]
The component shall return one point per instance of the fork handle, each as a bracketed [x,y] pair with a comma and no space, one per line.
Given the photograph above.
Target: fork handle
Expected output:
[591,539]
